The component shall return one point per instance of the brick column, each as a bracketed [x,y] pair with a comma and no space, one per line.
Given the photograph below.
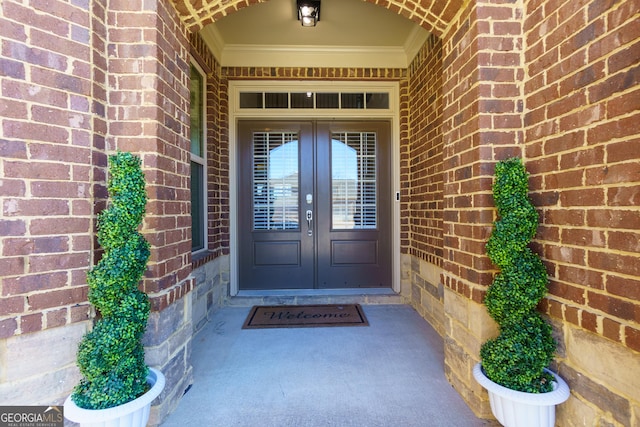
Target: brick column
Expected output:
[482,123]
[147,113]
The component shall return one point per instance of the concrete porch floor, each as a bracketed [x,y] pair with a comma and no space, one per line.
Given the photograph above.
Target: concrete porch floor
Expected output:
[389,373]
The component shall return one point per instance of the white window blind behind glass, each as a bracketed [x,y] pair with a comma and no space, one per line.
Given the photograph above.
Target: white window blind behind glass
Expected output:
[353,180]
[275,181]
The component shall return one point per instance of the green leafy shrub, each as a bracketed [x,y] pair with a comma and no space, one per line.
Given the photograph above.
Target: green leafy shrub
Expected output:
[517,357]
[111,356]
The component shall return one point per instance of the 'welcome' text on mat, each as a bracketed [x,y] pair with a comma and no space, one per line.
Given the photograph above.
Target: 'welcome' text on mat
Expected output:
[305,316]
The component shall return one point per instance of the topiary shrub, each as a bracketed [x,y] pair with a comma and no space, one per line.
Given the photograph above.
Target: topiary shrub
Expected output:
[517,357]
[111,356]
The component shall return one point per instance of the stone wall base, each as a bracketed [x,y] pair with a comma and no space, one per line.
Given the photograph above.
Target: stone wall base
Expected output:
[424,290]
[603,378]
[170,333]
[601,374]
[28,378]
[467,326]
[211,289]
[168,348]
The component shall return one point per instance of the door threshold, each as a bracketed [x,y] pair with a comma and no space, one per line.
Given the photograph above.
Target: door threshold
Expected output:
[314,292]
[248,298]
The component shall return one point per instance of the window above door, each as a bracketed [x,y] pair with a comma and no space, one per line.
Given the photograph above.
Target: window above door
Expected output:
[317,99]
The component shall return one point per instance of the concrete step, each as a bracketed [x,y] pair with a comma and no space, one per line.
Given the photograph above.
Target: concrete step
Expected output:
[302,297]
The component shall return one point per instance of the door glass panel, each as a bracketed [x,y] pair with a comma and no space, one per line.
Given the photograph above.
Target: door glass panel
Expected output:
[353,180]
[275,181]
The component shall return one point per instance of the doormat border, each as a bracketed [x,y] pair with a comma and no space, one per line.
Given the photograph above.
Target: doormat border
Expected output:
[294,320]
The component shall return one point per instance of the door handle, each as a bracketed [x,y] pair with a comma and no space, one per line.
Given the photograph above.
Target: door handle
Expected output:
[309,222]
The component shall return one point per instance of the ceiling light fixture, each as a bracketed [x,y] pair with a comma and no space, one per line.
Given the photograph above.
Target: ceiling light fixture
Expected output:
[308,12]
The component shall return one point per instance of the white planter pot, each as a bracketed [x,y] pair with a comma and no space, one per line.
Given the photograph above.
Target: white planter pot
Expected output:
[130,414]
[519,409]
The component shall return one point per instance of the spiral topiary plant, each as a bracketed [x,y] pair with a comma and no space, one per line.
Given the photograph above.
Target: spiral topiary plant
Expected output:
[111,356]
[516,359]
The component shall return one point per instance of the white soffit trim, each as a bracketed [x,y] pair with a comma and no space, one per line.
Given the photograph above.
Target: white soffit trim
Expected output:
[414,43]
[313,56]
[213,39]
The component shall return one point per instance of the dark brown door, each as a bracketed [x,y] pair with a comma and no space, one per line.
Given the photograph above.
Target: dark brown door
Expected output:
[315,205]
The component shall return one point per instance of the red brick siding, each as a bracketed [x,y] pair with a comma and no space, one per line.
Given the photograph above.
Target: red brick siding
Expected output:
[570,110]
[95,85]
[47,128]
[481,124]
[405,149]
[219,167]
[357,74]
[582,125]
[148,114]
[423,186]
[483,116]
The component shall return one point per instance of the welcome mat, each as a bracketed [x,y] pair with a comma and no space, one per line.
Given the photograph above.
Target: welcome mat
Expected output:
[305,316]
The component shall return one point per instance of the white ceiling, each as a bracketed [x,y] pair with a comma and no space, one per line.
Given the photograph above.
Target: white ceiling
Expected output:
[351,33]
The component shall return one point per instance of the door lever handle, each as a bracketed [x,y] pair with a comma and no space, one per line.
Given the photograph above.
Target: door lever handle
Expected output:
[309,221]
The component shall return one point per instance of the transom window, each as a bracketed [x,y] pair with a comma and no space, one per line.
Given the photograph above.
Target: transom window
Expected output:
[315,100]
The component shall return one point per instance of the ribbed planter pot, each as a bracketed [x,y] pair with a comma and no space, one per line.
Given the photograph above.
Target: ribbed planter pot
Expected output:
[519,409]
[131,414]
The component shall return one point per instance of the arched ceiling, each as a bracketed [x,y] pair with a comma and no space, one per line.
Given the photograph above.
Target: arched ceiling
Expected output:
[432,15]
[351,33]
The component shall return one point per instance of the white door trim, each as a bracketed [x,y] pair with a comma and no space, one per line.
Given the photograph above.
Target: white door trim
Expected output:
[236,113]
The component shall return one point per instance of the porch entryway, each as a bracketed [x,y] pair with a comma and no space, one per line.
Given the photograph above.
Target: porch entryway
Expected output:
[387,374]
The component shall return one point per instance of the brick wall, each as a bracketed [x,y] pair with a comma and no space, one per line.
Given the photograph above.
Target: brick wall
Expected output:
[582,146]
[160,110]
[425,180]
[556,83]
[288,73]
[482,123]
[77,84]
[582,124]
[422,185]
[211,270]
[46,193]
[52,131]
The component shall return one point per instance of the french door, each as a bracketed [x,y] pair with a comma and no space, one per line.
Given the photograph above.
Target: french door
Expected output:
[314,205]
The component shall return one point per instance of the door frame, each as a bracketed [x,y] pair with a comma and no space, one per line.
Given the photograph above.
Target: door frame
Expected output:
[392,114]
